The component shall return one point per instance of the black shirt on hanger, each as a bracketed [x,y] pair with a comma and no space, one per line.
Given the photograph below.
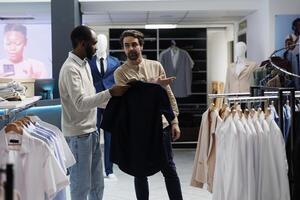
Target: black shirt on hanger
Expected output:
[135,121]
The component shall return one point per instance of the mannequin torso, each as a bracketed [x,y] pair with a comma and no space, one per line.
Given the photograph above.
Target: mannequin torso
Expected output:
[240,51]
[239,73]
[101,51]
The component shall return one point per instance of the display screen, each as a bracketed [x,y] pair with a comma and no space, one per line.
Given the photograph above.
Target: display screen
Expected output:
[25,51]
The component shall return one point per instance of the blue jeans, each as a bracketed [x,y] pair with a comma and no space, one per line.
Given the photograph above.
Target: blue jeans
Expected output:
[86,176]
[107,163]
[169,172]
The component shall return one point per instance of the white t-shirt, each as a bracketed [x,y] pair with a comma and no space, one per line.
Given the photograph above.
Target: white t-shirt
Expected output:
[36,170]
[28,68]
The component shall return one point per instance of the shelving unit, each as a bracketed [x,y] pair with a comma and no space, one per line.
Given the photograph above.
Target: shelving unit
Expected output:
[194,41]
[11,108]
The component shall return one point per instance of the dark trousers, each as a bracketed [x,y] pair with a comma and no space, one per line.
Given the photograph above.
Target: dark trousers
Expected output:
[107,163]
[169,172]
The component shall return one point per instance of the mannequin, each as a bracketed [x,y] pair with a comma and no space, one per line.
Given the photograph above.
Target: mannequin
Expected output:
[240,72]
[104,79]
[240,51]
[102,50]
[101,46]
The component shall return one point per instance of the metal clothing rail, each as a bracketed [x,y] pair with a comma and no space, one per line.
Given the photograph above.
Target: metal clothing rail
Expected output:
[228,95]
[248,94]
[279,68]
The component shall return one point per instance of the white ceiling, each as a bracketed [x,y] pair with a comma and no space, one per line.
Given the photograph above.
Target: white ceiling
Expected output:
[162,17]
[133,12]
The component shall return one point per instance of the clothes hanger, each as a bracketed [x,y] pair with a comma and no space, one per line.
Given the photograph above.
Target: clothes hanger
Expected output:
[246,113]
[227,113]
[32,119]
[212,107]
[13,127]
[268,112]
[222,110]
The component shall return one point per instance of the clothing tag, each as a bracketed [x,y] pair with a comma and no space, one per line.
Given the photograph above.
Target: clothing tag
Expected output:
[13,141]
[8,69]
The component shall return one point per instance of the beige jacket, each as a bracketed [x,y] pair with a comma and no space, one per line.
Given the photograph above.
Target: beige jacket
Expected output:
[205,157]
[239,83]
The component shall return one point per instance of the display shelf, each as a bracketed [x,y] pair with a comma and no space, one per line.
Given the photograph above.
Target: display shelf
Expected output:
[11,107]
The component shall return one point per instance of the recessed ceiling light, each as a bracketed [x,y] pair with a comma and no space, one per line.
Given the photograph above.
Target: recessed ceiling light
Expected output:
[160,26]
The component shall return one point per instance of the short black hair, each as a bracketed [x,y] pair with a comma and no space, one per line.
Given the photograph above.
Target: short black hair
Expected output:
[133,33]
[16,27]
[80,33]
[294,24]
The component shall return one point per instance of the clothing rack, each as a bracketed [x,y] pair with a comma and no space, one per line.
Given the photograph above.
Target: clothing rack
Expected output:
[271,93]
[9,184]
[282,94]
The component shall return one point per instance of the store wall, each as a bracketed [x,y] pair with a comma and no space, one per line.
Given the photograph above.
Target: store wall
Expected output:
[281,7]
[258,32]
[261,27]
[217,59]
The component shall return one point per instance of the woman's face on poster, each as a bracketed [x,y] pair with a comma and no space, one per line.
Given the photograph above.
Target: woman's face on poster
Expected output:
[14,44]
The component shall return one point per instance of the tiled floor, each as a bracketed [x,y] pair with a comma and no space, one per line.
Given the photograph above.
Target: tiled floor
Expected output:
[123,189]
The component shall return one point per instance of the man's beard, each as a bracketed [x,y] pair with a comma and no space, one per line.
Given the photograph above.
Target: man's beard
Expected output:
[89,53]
[132,55]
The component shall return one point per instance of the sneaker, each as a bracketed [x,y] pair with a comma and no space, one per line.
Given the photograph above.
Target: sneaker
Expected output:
[111,177]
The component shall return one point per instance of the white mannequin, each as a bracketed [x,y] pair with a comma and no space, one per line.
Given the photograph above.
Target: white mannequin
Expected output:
[101,46]
[240,51]
[101,51]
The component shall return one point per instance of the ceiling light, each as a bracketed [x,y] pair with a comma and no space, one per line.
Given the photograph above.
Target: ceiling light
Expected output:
[159,26]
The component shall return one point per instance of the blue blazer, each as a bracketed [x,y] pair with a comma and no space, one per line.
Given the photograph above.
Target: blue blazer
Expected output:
[107,81]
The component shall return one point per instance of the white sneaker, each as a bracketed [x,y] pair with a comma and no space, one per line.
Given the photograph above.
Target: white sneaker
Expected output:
[111,177]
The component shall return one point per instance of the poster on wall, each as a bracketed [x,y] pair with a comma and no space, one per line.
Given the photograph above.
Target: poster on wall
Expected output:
[284,29]
[25,51]
[287,31]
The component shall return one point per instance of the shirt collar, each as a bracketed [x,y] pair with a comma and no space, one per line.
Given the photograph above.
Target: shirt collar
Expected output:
[138,65]
[104,58]
[25,145]
[79,61]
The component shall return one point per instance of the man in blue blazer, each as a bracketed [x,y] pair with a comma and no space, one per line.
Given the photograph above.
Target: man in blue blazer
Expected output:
[102,68]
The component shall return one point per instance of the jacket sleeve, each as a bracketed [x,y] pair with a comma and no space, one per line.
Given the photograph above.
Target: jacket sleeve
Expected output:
[110,114]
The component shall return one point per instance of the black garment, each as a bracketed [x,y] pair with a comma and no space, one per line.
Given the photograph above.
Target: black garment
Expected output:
[294,172]
[169,172]
[136,125]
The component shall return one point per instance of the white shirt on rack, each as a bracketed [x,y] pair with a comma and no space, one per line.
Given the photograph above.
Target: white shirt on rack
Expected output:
[36,170]
[250,158]
[69,157]
[278,148]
